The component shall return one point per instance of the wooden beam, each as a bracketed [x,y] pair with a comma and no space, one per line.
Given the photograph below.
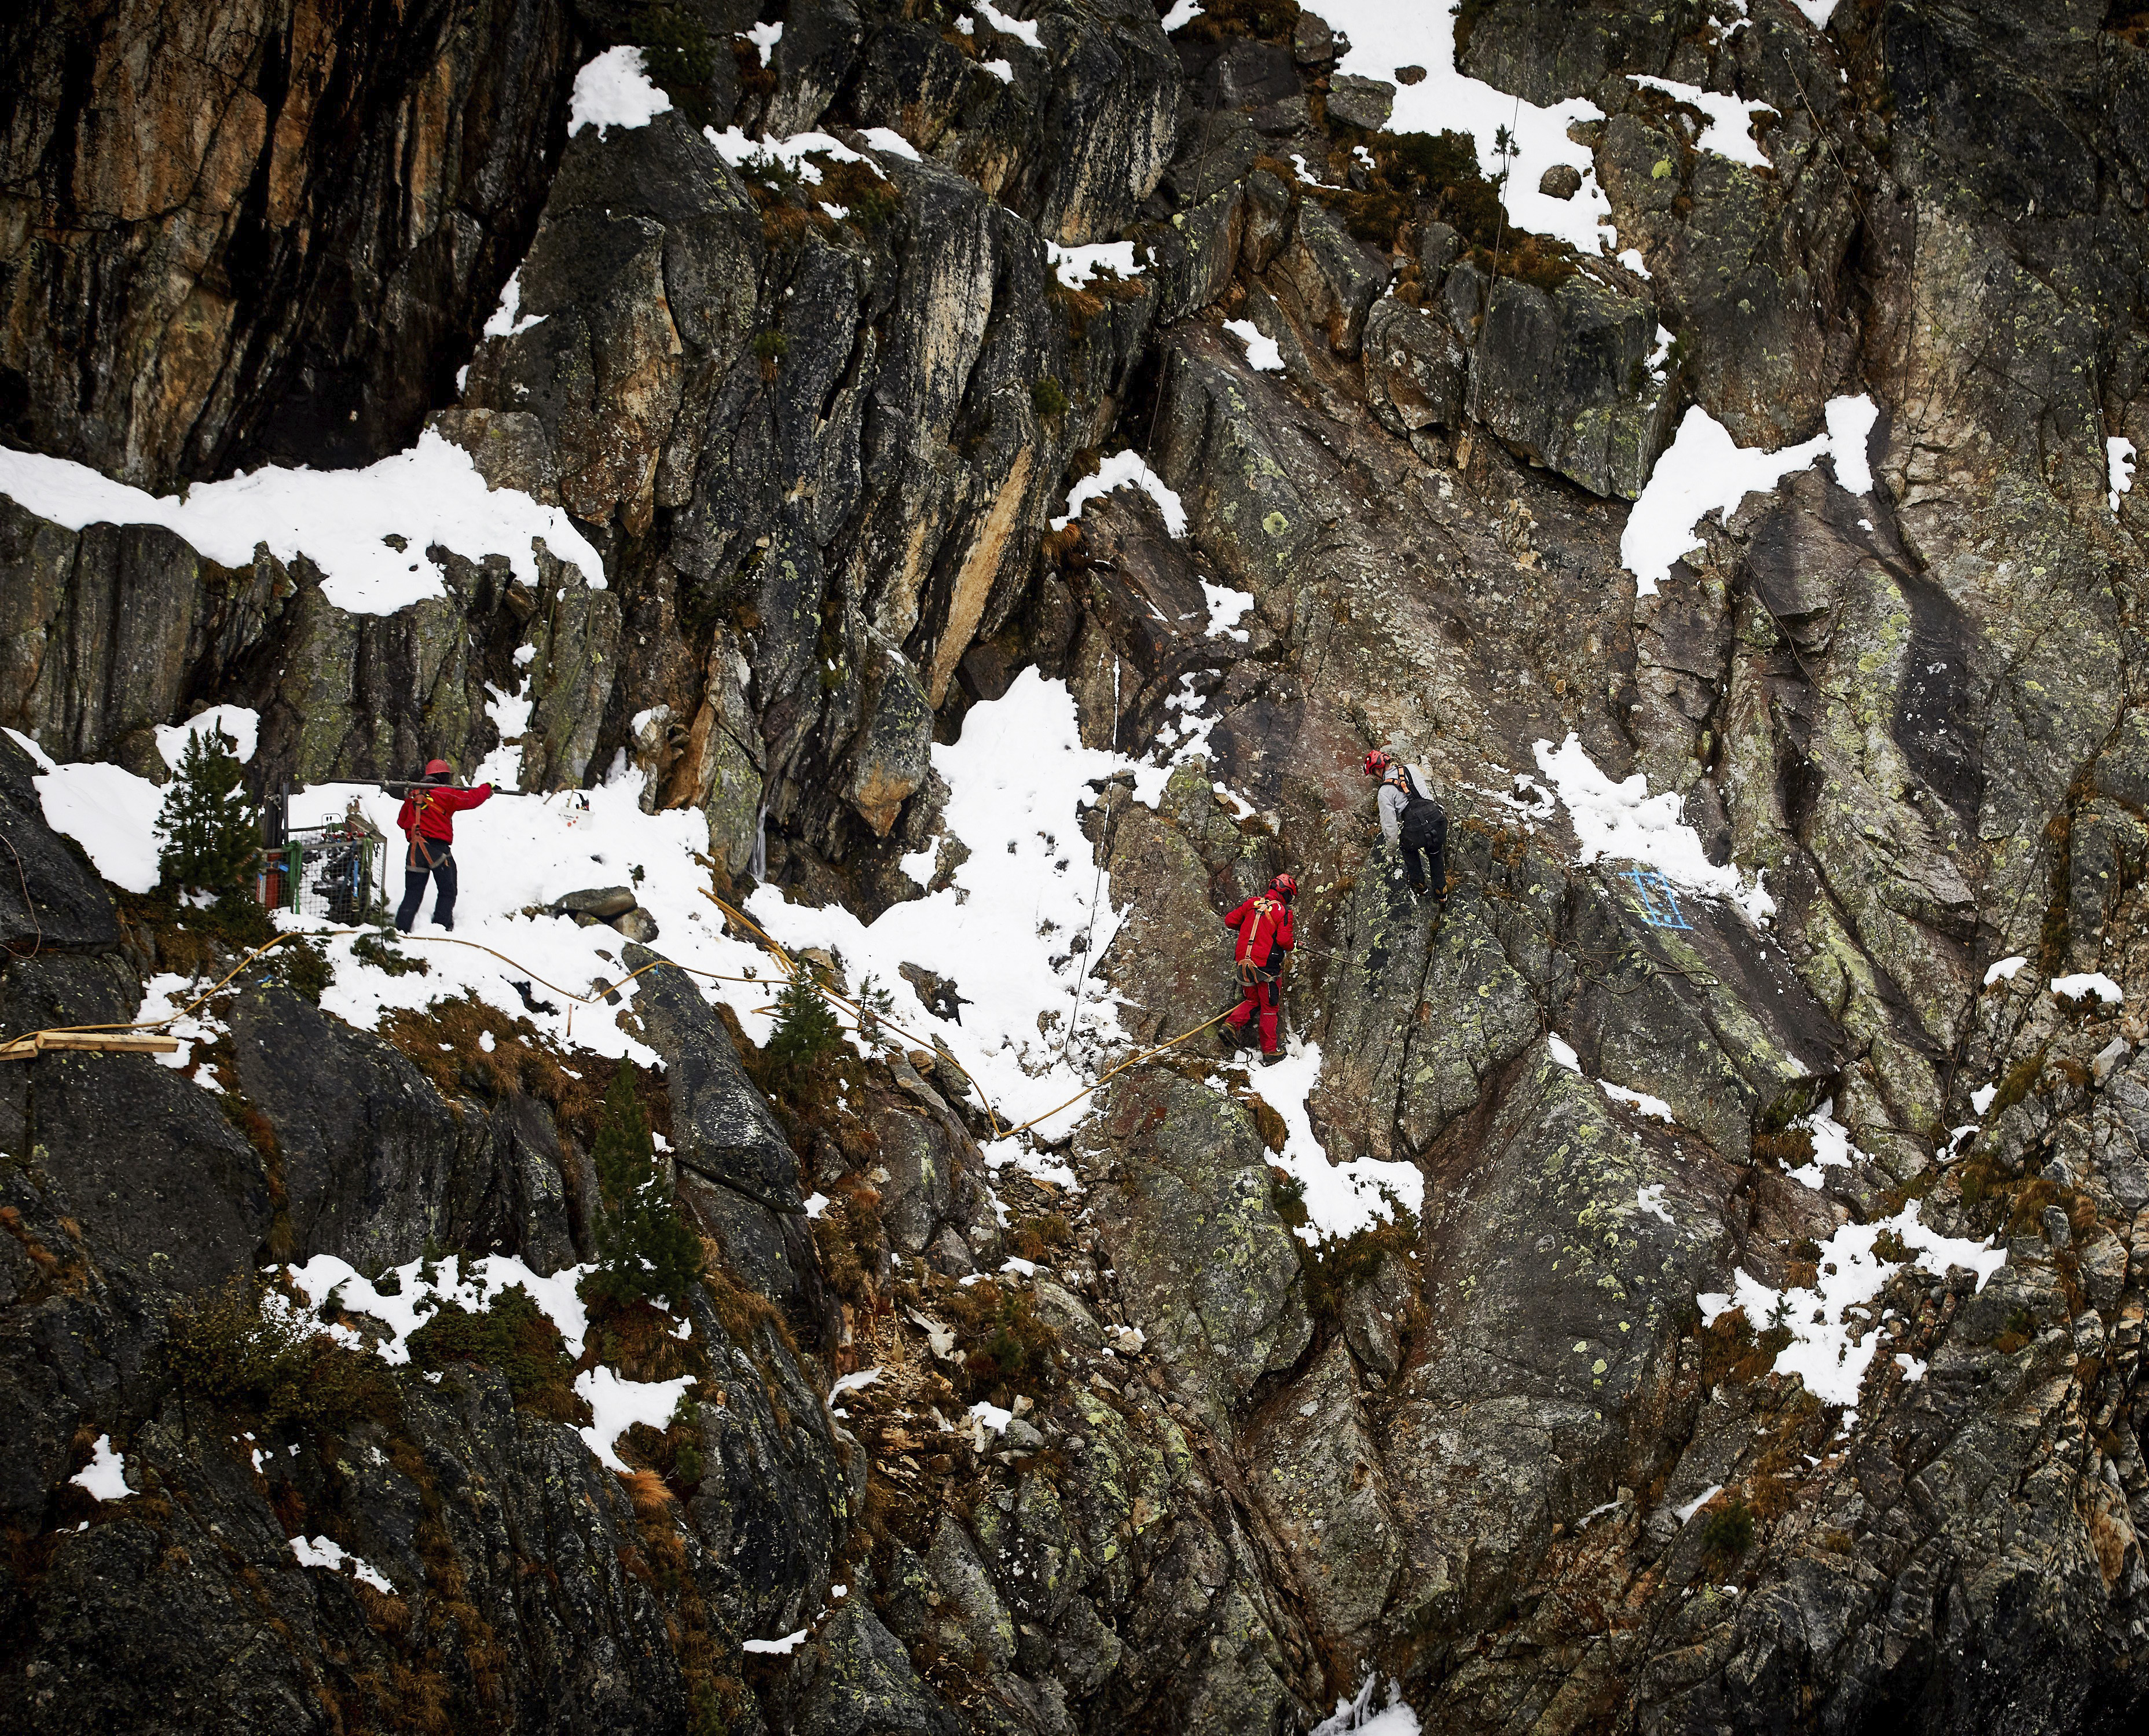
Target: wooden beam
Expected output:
[28,1049]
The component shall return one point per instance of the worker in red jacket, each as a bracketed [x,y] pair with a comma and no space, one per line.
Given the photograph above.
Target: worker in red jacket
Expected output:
[428,820]
[1264,925]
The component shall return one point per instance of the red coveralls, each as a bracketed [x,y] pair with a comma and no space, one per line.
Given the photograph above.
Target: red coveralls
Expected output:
[428,820]
[1264,925]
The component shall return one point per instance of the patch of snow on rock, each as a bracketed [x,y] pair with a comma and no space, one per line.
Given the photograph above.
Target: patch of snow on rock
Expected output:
[1386,35]
[105,1475]
[340,519]
[1704,470]
[1729,132]
[614,90]
[1623,821]
[1262,355]
[1124,469]
[242,723]
[2085,982]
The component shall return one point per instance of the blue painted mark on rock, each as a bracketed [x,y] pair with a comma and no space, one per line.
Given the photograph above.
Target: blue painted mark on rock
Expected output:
[1659,903]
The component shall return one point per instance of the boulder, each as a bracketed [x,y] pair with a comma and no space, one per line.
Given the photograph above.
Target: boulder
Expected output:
[50,899]
[1336,278]
[1438,247]
[1417,370]
[636,924]
[722,1128]
[604,902]
[1204,1262]
[1563,376]
[892,754]
[1363,102]
[1563,181]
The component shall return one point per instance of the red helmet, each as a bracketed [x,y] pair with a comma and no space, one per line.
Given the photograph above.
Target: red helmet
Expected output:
[438,768]
[1284,886]
[1377,762]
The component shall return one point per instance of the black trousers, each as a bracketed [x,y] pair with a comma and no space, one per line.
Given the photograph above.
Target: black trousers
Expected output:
[416,872]
[1424,850]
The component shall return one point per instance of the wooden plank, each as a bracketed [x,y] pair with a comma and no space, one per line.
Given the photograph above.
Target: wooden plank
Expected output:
[27,1048]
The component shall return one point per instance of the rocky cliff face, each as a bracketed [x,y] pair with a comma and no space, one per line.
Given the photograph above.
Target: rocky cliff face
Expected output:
[1695,1393]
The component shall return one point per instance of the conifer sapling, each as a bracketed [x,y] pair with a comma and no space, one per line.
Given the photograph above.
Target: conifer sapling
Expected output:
[210,828]
[645,1248]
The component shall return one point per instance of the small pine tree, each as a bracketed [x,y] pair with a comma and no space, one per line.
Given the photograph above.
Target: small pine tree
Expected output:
[805,1030]
[210,828]
[644,1247]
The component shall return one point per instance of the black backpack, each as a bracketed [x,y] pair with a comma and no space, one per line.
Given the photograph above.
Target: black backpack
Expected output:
[1419,810]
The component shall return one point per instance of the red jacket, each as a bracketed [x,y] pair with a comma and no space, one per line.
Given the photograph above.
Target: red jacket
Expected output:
[432,810]
[1264,926]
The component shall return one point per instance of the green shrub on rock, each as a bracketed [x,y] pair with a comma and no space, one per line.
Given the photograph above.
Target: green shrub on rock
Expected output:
[645,1248]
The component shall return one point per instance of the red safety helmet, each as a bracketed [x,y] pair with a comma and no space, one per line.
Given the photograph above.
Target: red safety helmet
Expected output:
[1284,886]
[1377,762]
[438,768]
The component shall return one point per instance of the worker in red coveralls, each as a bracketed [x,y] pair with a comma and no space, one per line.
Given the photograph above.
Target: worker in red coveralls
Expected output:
[428,820]
[1264,925]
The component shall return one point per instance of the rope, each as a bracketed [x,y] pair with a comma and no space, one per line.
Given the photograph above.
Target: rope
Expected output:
[598,995]
[1146,1054]
[29,906]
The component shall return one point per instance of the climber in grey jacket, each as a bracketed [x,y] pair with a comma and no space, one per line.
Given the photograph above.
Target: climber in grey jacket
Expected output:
[1414,825]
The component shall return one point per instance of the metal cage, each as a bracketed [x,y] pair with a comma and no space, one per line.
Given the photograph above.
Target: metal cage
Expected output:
[324,872]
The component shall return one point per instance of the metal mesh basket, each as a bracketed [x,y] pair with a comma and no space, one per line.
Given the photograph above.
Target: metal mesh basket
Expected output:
[321,871]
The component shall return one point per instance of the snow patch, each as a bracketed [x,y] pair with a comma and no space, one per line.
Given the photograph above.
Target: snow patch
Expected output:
[1182,13]
[886,138]
[105,1475]
[1562,1052]
[1698,1502]
[241,723]
[1358,1717]
[1074,266]
[776,1647]
[1262,355]
[412,1297]
[1623,821]
[614,90]
[793,154]
[1834,1338]
[505,322]
[1729,130]
[765,36]
[110,812]
[1227,608]
[1021,29]
[617,1404]
[1389,34]
[162,997]
[1124,469]
[1704,470]
[1003,70]
[327,1552]
[1341,1198]
[340,519]
[1641,1102]
[2119,468]
[2086,983]
[2004,971]
[1005,930]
